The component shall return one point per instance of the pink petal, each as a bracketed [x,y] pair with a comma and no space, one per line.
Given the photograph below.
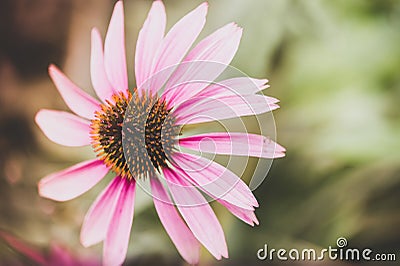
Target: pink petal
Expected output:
[114,50]
[208,60]
[215,47]
[199,110]
[177,42]
[201,219]
[234,86]
[118,234]
[77,100]
[234,143]
[100,81]
[246,216]
[97,219]
[73,181]
[180,234]
[149,39]
[215,187]
[60,256]
[215,179]
[23,248]
[64,128]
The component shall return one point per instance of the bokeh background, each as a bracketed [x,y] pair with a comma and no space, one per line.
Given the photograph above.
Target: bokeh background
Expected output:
[333,64]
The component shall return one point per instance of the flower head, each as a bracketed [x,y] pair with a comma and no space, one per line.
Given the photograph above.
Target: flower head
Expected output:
[136,133]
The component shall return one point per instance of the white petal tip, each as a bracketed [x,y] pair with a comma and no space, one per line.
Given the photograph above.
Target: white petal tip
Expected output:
[95,32]
[234,27]
[47,194]
[221,253]
[280,148]
[264,87]
[279,155]
[193,261]
[203,8]
[119,4]
[52,70]
[85,243]
[38,117]
[273,107]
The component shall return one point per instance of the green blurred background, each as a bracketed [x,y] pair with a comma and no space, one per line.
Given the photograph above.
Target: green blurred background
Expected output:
[333,64]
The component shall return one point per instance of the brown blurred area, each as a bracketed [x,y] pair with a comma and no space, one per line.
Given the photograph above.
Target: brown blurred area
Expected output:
[33,34]
[335,68]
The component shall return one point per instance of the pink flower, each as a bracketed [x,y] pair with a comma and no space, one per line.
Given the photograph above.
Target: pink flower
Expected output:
[147,122]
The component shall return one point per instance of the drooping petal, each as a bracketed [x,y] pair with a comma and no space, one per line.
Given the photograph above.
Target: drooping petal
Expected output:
[77,100]
[20,246]
[247,216]
[202,175]
[176,44]
[200,109]
[148,42]
[180,234]
[200,218]
[97,219]
[100,82]
[64,128]
[60,256]
[234,143]
[234,86]
[73,181]
[205,62]
[214,186]
[114,50]
[119,231]
[216,179]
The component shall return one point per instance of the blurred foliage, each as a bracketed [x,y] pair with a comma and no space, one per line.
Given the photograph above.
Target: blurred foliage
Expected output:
[333,64]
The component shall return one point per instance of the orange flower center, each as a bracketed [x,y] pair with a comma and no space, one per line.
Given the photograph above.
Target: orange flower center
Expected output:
[134,136]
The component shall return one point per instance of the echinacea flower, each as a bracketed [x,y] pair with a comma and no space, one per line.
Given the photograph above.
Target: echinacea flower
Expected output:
[136,134]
